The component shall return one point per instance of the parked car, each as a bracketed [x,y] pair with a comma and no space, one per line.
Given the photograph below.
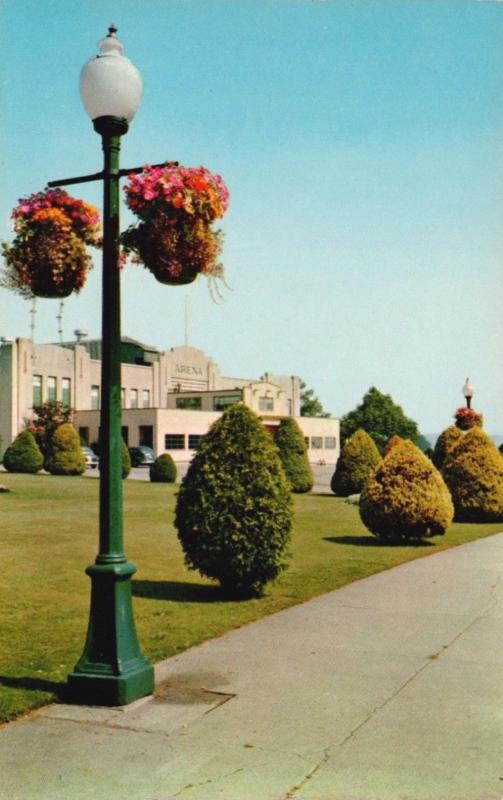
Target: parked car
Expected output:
[141,456]
[92,459]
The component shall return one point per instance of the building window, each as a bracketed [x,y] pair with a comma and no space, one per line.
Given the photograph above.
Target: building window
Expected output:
[317,442]
[265,404]
[95,397]
[174,441]
[66,390]
[146,398]
[125,433]
[194,440]
[330,443]
[51,389]
[133,398]
[37,390]
[221,402]
[123,397]
[190,403]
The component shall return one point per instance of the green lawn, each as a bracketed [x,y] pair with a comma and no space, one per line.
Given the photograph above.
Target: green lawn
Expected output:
[48,535]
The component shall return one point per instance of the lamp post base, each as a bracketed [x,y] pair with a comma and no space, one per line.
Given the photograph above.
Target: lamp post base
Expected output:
[112,670]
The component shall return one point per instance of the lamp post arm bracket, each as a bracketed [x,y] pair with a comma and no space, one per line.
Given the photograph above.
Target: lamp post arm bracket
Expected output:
[98,176]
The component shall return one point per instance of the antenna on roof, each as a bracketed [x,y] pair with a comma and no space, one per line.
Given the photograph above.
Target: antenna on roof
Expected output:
[33,312]
[60,321]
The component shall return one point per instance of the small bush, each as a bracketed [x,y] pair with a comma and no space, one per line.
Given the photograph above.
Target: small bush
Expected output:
[234,507]
[357,462]
[163,470]
[406,497]
[293,453]
[65,455]
[23,455]
[473,471]
[445,441]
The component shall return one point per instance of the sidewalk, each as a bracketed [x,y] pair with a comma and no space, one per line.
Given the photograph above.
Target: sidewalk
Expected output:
[388,689]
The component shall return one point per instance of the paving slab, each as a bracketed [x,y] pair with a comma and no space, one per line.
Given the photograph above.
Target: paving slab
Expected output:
[388,689]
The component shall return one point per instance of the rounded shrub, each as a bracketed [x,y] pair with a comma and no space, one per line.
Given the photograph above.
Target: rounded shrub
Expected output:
[163,470]
[234,507]
[65,455]
[293,453]
[23,455]
[406,498]
[126,460]
[358,460]
[473,471]
[445,441]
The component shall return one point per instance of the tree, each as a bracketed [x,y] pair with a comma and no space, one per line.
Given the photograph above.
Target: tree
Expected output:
[310,406]
[381,418]
[65,455]
[234,507]
[473,471]
[406,498]
[357,462]
[48,417]
[293,453]
[23,455]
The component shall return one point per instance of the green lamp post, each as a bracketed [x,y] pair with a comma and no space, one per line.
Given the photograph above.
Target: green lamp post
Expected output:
[112,669]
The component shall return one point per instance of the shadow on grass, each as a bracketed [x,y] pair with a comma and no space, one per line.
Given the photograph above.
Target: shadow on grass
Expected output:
[183,592]
[373,541]
[33,684]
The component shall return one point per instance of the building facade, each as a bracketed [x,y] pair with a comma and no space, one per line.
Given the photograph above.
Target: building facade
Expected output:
[169,398]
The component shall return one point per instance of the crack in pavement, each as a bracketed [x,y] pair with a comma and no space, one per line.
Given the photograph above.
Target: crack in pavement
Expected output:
[334,746]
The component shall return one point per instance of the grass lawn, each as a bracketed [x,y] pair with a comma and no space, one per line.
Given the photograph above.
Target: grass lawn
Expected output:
[48,535]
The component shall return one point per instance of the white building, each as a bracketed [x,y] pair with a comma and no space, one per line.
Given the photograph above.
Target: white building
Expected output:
[169,398]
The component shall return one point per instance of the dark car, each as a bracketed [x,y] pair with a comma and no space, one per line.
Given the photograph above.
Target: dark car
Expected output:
[141,456]
[92,459]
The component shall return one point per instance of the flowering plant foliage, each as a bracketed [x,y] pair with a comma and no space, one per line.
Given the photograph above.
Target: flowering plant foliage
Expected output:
[176,207]
[467,418]
[48,256]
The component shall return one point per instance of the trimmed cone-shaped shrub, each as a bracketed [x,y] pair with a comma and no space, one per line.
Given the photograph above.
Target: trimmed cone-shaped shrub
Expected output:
[473,471]
[293,453]
[126,460]
[234,507]
[65,454]
[356,463]
[445,441]
[406,498]
[23,455]
[163,470]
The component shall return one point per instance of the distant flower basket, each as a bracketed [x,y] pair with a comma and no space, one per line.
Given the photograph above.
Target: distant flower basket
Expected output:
[48,257]
[467,418]
[176,207]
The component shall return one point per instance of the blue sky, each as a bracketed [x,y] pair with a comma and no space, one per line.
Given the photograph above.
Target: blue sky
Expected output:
[362,146]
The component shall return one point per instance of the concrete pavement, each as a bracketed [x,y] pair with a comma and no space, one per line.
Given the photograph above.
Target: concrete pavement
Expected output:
[388,689]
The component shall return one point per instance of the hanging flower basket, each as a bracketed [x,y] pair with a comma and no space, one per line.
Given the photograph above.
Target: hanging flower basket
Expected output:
[48,257]
[176,206]
[466,418]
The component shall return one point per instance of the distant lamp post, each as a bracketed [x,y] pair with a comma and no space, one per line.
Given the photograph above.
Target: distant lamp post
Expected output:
[468,393]
[112,669]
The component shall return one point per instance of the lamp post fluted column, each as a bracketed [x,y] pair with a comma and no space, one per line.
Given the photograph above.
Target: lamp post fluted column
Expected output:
[112,669]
